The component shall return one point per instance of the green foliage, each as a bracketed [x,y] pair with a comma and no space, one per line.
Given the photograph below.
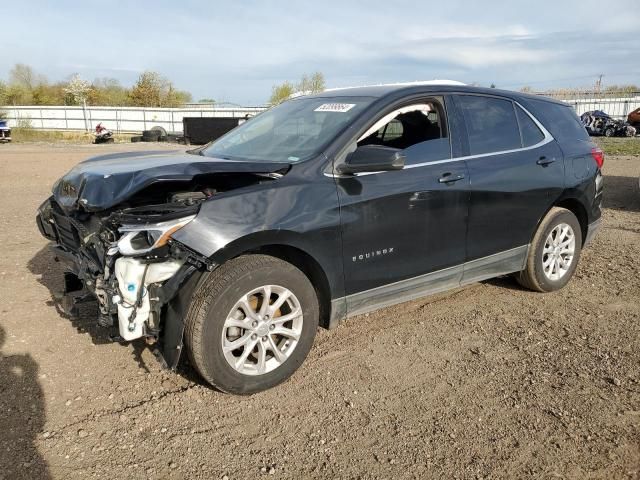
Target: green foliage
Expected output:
[206,100]
[24,124]
[619,145]
[154,90]
[308,84]
[108,91]
[311,84]
[26,87]
[280,93]
[622,89]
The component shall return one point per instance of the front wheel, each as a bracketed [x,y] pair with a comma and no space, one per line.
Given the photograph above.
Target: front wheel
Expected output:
[554,252]
[251,324]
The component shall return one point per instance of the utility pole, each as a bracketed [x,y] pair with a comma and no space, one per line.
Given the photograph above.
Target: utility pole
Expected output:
[599,83]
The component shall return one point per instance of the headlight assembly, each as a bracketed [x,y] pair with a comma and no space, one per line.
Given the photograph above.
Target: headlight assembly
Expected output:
[141,239]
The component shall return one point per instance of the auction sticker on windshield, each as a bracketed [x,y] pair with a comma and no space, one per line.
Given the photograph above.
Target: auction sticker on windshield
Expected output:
[335,107]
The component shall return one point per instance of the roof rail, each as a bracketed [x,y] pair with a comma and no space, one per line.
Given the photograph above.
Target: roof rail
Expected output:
[403,84]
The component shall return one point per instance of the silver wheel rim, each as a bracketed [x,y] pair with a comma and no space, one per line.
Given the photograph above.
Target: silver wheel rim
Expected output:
[262,330]
[558,252]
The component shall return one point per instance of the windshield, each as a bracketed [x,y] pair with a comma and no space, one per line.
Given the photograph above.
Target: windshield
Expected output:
[291,132]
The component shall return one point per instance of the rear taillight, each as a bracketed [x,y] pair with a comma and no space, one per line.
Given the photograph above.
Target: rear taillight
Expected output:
[598,156]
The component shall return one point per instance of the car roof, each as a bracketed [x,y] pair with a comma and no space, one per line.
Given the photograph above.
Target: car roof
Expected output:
[402,89]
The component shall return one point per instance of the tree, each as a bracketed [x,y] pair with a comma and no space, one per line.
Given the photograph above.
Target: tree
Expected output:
[526,89]
[16,95]
[23,76]
[493,85]
[313,84]
[206,100]
[174,98]
[306,86]
[280,93]
[78,89]
[154,90]
[147,90]
[109,92]
[622,89]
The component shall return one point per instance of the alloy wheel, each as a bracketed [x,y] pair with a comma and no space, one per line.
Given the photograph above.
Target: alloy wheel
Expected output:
[262,330]
[558,252]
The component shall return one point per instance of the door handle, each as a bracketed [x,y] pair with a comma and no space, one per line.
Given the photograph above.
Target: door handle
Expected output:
[544,161]
[450,178]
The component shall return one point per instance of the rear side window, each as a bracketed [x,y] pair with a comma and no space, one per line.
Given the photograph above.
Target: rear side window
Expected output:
[531,134]
[560,120]
[491,124]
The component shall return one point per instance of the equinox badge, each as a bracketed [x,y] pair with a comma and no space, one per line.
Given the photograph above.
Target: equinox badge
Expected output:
[372,254]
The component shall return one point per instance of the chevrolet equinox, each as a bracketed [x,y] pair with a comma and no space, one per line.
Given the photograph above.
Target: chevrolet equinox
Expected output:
[324,207]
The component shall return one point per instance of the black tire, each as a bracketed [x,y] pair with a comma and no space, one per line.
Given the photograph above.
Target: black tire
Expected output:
[609,132]
[533,276]
[217,296]
[150,136]
[162,132]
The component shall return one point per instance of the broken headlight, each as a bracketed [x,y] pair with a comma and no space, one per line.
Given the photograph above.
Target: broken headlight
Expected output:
[141,239]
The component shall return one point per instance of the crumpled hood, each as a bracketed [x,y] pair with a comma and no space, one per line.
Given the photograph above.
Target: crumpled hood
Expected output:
[105,181]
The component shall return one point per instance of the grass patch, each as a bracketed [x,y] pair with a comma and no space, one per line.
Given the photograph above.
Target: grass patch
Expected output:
[619,145]
[27,135]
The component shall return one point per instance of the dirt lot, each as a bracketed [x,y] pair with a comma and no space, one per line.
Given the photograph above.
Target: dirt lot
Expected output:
[489,381]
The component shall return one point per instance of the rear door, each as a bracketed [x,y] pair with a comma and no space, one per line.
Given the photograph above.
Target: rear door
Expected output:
[516,172]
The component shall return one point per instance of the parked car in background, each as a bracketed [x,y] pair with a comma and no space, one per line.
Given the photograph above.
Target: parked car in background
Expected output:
[598,122]
[634,119]
[5,132]
[324,207]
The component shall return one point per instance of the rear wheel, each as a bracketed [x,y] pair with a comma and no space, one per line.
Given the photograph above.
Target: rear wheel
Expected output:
[554,253]
[251,324]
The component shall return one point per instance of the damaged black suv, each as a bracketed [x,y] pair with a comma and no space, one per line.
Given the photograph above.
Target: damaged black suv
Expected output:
[321,208]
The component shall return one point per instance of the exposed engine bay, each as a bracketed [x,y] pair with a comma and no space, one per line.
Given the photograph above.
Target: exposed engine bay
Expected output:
[124,256]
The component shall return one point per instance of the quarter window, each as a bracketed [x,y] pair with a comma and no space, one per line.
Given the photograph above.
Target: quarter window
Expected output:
[491,124]
[531,134]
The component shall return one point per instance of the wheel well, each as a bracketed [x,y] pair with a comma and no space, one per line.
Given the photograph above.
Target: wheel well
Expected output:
[311,268]
[575,207]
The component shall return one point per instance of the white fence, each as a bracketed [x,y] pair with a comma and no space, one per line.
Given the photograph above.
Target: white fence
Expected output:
[136,119]
[117,119]
[616,105]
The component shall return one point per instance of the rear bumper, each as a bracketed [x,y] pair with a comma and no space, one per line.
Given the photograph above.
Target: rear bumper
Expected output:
[592,229]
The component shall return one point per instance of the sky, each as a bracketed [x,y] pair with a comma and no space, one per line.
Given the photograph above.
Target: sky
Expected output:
[235,51]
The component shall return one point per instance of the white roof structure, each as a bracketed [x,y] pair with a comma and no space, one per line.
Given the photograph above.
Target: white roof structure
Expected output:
[403,84]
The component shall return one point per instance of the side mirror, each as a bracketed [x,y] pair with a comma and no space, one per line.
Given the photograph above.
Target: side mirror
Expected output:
[372,158]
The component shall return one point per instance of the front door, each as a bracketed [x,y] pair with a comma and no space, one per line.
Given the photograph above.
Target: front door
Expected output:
[404,231]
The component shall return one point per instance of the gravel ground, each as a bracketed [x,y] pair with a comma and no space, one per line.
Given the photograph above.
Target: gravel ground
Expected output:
[488,381]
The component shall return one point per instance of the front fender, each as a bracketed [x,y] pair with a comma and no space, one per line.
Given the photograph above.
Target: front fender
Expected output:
[303,215]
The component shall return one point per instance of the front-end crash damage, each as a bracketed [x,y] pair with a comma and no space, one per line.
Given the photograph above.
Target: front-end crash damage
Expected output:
[122,254]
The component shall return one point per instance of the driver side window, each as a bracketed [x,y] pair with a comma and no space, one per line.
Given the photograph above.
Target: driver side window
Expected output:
[419,130]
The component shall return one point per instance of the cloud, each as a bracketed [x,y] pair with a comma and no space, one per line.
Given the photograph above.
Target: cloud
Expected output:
[237,50]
